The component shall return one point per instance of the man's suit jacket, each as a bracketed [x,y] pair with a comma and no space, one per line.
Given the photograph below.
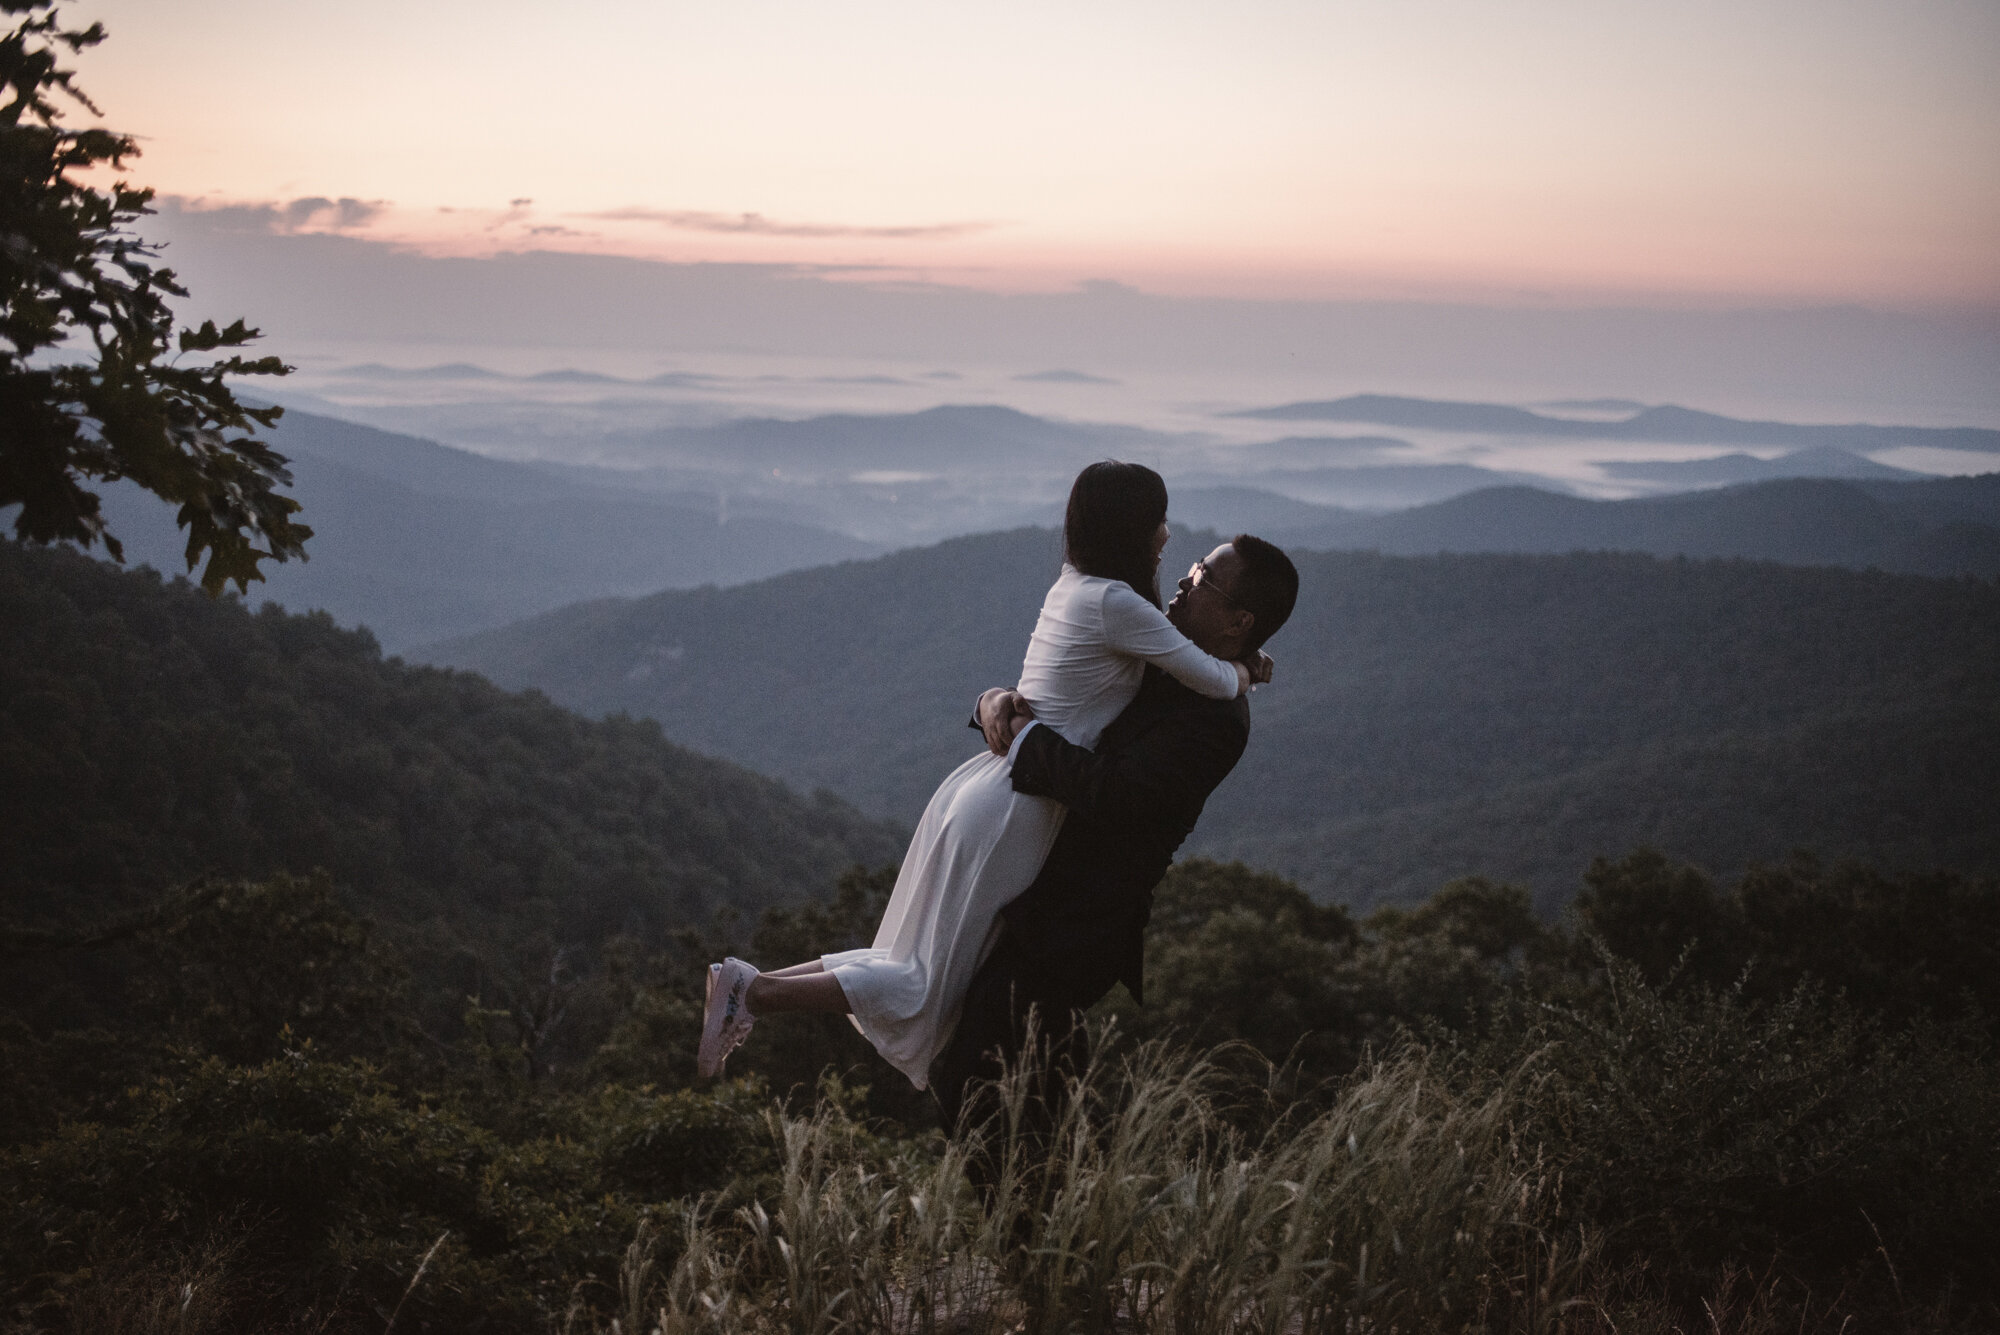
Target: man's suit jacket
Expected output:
[1132,802]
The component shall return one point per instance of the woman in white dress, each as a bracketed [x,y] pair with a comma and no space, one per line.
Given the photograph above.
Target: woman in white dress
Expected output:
[980,843]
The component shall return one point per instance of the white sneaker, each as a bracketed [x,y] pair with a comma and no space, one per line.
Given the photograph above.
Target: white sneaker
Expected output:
[725,1019]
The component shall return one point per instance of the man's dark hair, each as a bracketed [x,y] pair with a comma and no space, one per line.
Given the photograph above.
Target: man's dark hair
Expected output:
[1267,585]
[1114,511]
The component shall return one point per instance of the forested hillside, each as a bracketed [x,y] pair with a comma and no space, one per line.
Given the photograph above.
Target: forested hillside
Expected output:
[1502,715]
[149,735]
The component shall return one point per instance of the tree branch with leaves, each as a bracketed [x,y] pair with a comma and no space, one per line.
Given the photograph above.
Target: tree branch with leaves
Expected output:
[96,382]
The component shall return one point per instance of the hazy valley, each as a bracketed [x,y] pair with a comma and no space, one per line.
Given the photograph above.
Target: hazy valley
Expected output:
[421,541]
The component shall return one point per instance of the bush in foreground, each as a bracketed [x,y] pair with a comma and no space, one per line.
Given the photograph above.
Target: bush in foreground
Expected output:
[302,1190]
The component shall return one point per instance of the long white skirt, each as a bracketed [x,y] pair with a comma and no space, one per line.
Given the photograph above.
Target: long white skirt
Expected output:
[978,846]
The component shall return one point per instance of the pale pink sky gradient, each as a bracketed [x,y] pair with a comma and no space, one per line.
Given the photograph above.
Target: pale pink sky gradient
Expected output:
[1544,150]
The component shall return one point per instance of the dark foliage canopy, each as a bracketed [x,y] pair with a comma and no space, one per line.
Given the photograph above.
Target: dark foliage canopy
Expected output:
[71,269]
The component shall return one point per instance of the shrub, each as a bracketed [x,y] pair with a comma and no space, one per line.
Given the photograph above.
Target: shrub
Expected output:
[1900,946]
[1700,1129]
[324,1186]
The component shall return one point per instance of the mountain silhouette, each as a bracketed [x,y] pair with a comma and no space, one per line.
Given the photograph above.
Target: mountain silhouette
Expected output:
[1726,469]
[1942,526]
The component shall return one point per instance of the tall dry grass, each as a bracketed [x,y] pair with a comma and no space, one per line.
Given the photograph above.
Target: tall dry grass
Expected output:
[1402,1206]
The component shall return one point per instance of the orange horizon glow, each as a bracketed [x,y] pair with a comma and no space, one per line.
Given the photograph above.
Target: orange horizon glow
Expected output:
[1450,150]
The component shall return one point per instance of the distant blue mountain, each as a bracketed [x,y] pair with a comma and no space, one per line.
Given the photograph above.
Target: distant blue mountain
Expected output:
[1064,378]
[1664,424]
[1322,451]
[468,371]
[1422,414]
[575,377]
[1940,526]
[1728,469]
[448,371]
[952,438]
[1245,510]
[1368,487]
[1621,406]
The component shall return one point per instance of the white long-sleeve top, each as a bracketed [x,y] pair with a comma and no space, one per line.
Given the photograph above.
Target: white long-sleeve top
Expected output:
[1089,651]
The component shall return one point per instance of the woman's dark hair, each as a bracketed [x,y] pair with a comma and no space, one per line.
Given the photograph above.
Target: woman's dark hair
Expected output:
[1114,511]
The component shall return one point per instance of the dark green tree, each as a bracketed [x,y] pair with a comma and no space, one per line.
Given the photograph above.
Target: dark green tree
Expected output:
[73,273]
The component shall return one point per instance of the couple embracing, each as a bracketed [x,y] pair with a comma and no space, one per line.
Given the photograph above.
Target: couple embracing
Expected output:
[1028,883]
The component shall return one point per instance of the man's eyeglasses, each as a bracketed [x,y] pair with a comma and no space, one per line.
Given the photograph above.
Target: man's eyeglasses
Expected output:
[1199,575]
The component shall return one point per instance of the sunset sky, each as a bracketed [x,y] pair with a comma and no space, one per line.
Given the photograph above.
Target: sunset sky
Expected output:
[1541,150]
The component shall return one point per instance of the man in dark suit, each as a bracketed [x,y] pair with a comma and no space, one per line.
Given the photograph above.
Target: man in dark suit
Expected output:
[1080,926]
